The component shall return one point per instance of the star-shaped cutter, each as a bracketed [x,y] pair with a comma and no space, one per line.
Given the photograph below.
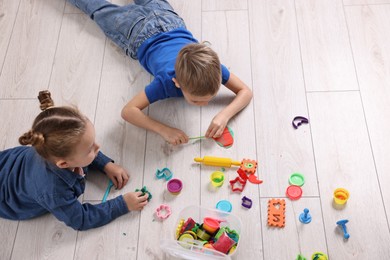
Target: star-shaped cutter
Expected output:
[238,181]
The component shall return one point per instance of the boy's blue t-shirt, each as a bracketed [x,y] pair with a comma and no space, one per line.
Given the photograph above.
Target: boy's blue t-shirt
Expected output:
[158,56]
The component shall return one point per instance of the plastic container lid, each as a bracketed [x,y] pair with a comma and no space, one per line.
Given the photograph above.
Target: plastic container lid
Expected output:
[294,192]
[224,205]
[174,185]
[297,179]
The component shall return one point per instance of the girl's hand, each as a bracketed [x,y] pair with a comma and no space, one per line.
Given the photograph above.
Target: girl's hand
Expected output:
[135,200]
[117,174]
[174,136]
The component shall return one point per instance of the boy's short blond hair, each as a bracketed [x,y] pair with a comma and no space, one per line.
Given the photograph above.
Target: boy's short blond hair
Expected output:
[198,70]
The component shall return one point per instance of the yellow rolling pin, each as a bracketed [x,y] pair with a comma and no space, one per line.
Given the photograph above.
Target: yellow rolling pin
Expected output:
[217,161]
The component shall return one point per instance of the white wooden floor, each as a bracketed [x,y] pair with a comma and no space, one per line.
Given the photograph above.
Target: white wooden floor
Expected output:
[325,59]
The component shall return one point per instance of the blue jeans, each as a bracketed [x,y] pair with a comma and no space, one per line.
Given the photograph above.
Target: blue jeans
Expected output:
[130,25]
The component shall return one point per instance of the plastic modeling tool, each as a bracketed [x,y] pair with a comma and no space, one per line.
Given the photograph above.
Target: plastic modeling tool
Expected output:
[110,184]
[217,161]
[226,140]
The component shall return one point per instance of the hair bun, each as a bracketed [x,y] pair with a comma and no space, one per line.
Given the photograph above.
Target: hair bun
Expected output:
[45,100]
[31,138]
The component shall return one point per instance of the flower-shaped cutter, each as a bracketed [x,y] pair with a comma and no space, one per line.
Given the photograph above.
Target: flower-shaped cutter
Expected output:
[163,212]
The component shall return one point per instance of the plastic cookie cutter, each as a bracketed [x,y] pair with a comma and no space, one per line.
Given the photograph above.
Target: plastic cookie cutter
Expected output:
[246,202]
[251,178]
[163,211]
[239,182]
[144,190]
[164,173]
[299,120]
[110,184]
[242,174]
[276,212]
[248,166]
[179,227]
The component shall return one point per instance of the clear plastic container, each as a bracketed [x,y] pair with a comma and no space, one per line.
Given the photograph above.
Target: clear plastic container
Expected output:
[193,249]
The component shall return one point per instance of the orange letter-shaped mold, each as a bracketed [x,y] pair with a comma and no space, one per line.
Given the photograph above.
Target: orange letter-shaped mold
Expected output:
[276,210]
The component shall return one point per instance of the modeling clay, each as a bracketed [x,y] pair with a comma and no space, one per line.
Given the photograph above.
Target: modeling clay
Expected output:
[226,139]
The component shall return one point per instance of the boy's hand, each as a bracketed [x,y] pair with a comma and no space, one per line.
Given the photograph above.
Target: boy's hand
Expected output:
[242,99]
[132,113]
[216,126]
[117,175]
[174,136]
[135,200]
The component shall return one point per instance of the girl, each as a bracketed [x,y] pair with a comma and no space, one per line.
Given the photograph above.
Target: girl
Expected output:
[48,174]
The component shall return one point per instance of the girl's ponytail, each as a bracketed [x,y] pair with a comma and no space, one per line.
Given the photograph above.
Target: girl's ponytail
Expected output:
[45,100]
[31,138]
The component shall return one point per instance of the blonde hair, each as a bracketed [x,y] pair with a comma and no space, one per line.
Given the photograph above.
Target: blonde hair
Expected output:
[56,130]
[198,70]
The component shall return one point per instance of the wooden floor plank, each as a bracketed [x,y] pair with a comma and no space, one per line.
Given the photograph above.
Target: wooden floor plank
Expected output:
[285,51]
[159,154]
[121,79]
[344,159]
[117,240]
[44,238]
[365,2]
[8,229]
[30,55]
[295,238]
[231,25]
[219,5]
[279,96]
[326,54]
[78,64]
[8,14]
[370,38]
[9,138]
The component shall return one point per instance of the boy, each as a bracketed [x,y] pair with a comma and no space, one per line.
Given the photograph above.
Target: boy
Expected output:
[150,31]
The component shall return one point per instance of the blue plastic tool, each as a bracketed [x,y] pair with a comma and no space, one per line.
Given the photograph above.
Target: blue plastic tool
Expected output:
[110,184]
[342,223]
[305,217]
